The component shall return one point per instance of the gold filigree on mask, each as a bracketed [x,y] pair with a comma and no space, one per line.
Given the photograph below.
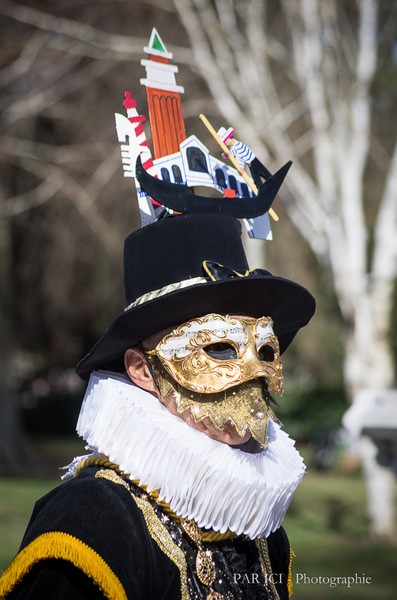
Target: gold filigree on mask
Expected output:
[248,350]
[245,406]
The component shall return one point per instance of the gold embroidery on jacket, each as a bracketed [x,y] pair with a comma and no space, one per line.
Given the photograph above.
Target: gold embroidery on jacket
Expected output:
[266,567]
[290,585]
[164,541]
[112,476]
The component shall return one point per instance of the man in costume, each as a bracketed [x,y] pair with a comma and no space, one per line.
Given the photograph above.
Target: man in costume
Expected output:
[189,474]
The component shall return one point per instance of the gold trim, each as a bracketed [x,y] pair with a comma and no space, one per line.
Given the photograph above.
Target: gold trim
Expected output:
[266,566]
[60,545]
[172,287]
[97,461]
[290,585]
[210,274]
[208,536]
[163,539]
[112,476]
[208,271]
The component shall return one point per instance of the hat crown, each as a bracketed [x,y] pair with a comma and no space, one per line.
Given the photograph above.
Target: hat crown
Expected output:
[174,249]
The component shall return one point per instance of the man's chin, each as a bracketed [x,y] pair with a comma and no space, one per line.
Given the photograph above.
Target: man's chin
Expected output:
[251,447]
[229,436]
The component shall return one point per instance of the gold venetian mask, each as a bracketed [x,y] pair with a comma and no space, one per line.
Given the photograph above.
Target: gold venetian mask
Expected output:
[245,407]
[213,353]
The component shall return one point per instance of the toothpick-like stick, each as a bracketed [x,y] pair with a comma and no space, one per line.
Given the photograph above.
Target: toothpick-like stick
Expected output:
[234,162]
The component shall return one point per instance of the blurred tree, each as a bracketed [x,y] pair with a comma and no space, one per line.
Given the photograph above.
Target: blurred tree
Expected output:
[298,79]
[13,447]
[63,214]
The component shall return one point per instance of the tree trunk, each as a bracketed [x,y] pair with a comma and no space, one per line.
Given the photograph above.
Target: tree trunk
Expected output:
[369,370]
[380,484]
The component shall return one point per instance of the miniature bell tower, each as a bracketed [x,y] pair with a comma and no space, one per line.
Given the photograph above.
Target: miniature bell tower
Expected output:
[164,98]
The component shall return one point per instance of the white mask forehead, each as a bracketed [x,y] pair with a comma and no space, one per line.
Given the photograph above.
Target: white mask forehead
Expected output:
[264,332]
[200,332]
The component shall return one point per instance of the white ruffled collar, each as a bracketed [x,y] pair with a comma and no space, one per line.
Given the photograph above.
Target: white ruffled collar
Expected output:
[218,486]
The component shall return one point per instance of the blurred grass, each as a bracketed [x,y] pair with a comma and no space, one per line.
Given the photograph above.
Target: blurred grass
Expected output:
[328,531]
[326,525]
[18,494]
[17,497]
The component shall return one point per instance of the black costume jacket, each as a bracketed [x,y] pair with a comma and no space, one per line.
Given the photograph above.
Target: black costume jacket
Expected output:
[100,536]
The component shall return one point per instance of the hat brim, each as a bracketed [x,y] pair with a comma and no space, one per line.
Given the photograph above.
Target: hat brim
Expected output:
[289,304]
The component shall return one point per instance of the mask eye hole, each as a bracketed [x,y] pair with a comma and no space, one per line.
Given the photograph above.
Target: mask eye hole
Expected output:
[221,351]
[266,353]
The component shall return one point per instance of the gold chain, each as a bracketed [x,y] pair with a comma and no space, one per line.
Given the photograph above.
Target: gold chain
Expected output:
[205,568]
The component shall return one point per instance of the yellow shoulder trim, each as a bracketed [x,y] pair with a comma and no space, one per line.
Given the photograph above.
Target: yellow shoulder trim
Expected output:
[59,545]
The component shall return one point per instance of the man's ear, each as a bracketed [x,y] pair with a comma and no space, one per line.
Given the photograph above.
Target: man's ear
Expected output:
[138,370]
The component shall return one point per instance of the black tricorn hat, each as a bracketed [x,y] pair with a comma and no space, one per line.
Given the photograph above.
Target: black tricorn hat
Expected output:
[187,266]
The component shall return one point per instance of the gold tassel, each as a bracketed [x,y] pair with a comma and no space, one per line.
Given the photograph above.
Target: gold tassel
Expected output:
[60,545]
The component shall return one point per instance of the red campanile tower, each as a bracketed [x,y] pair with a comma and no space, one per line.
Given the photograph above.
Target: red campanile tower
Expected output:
[164,98]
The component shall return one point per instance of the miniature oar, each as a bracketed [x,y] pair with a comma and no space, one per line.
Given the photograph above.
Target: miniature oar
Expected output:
[180,198]
[226,150]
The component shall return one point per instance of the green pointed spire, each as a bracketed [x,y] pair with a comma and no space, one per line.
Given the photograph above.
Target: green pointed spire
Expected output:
[157,45]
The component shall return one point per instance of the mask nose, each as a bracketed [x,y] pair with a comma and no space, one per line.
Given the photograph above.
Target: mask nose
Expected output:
[254,368]
[252,362]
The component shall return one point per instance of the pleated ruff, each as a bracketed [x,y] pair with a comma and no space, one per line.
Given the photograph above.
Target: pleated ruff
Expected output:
[217,486]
